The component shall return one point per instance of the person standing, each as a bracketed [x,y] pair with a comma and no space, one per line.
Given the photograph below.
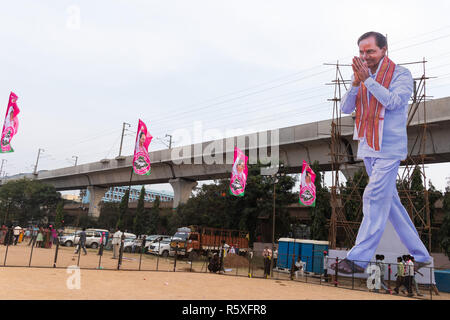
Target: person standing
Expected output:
[400,275]
[39,238]
[82,242]
[17,230]
[414,282]
[380,263]
[409,273]
[54,234]
[34,234]
[47,236]
[380,93]
[3,233]
[267,254]
[117,237]
[275,257]
[27,234]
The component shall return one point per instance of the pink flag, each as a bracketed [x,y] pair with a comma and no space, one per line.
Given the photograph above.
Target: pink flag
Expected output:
[141,159]
[10,125]
[307,186]
[238,173]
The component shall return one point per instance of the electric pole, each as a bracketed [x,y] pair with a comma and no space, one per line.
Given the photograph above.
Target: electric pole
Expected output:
[1,169]
[76,159]
[170,140]
[121,139]
[37,160]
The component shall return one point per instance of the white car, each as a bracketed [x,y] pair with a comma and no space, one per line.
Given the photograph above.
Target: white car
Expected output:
[93,239]
[164,241]
[148,241]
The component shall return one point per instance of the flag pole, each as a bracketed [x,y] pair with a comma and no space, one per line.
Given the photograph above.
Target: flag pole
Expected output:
[122,240]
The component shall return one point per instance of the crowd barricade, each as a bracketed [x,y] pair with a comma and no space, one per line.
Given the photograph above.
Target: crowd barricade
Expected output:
[286,267]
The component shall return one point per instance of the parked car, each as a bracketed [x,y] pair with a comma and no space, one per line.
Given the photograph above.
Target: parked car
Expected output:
[128,244]
[161,248]
[93,239]
[137,243]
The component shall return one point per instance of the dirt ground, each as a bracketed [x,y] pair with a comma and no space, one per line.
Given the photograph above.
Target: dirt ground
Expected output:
[38,283]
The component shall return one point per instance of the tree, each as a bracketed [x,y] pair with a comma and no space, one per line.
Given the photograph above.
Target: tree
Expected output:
[138,221]
[417,193]
[59,219]
[24,200]
[213,206]
[444,232]
[153,218]
[322,211]
[109,215]
[352,195]
[123,209]
[433,196]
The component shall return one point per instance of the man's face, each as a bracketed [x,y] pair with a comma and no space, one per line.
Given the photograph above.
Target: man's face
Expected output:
[370,52]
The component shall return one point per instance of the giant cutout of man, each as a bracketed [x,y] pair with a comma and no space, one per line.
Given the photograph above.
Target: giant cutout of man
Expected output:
[380,93]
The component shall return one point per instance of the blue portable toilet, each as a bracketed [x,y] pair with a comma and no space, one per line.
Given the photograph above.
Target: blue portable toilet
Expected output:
[307,253]
[318,248]
[283,249]
[442,280]
[287,249]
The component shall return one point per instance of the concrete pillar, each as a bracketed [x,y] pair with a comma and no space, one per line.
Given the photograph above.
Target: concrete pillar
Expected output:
[95,196]
[182,189]
[349,170]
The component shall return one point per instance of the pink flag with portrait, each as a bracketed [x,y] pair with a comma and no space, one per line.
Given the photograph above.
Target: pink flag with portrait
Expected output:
[141,159]
[307,187]
[10,125]
[238,173]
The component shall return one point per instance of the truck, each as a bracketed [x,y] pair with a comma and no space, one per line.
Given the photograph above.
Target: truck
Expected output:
[194,241]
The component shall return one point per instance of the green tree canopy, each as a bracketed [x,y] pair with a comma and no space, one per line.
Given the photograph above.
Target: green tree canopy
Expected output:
[24,200]
[138,221]
[153,218]
[213,206]
[444,232]
[122,222]
[322,211]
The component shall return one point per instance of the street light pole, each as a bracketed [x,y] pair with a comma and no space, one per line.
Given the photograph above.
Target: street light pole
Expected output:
[276,177]
[76,159]
[273,225]
[37,160]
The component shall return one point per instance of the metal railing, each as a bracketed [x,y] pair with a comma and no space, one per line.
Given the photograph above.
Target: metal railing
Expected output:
[18,251]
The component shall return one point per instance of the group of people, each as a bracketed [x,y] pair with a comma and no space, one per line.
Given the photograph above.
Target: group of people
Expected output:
[406,273]
[40,237]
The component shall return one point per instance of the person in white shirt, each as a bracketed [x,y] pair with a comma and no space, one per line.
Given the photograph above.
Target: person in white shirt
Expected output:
[409,273]
[117,237]
[17,230]
[299,267]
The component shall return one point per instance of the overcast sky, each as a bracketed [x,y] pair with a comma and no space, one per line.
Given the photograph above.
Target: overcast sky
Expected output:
[82,68]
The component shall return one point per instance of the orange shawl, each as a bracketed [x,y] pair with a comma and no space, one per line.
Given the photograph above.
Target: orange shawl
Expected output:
[369,118]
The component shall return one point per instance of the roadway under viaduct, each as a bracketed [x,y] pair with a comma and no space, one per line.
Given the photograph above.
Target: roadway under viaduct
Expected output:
[183,166]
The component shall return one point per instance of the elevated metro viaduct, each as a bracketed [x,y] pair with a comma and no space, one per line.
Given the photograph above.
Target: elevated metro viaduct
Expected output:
[183,166]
